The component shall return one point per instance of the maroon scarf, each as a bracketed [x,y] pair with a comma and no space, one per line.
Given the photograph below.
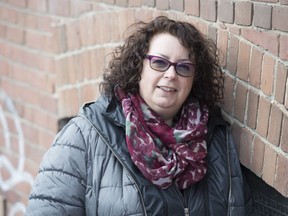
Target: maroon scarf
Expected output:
[162,153]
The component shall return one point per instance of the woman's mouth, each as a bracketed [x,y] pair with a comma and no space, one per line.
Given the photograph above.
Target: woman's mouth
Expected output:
[165,88]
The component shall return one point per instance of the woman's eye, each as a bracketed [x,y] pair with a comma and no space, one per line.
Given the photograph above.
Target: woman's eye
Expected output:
[184,67]
[159,63]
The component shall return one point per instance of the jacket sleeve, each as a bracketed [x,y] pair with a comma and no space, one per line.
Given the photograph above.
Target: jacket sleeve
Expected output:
[59,187]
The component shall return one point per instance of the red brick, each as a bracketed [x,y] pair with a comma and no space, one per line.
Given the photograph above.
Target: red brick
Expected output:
[177,5]
[74,68]
[114,30]
[243,61]
[269,165]
[61,68]
[271,1]
[281,77]
[99,29]
[46,120]
[54,41]
[263,116]
[36,40]
[212,33]
[258,156]
[111,29]
[284,2]
[93,63]
[69,102]
[228,105]
[17,74]
[243,13]
[162,4]
[41,62]
[5,173]
[73,35]
[267,40]
[275,123]
[262,15]
[99,57]
[150,3]
[283,52]
[46,138]
[109,1]
[60,8]
[21,92]
[5,68]
[122,3]
[29,130]
[28,95]
[192,7]
[38,5]
[31,166]
[203,28]
[280,14]
[89,92]
[234,29]
[267,77]
[79,7]
[84,59]
[49,103]
[222,43]
[232,57]
[47,24]
[134,3]
[281,181]
[23,187]
[284,134]
[2,30]
[29,20]
[86,26]
[226,11]
[252,107]
[12,129]
[255,67]
[34,152]
[9,15]
[5,50]
[125,19]
[208,10]
[15,34]
[17,3]
[240,102]
[245,147]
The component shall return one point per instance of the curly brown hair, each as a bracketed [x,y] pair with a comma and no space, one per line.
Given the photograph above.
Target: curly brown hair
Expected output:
[125,68]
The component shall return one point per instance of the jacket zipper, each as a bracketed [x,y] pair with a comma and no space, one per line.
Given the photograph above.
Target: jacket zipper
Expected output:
[186,211]
[116,155]
[181,198]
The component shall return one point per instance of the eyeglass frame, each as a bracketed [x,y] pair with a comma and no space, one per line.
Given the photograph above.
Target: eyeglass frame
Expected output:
[149,57]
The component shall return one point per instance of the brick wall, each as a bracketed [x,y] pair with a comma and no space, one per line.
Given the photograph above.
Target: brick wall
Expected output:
[52,54]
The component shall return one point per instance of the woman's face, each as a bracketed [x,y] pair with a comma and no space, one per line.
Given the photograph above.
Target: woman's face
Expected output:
[165,92]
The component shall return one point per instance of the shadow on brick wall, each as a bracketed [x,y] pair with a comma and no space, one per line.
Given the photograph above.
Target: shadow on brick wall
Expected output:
[267,200]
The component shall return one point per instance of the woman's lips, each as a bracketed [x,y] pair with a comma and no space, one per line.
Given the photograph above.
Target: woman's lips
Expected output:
[168,89]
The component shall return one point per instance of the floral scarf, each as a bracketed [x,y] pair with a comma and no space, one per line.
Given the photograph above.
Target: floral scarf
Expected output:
[162,153]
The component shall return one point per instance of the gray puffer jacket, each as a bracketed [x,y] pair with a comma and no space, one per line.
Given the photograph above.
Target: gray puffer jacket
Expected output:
[88,171]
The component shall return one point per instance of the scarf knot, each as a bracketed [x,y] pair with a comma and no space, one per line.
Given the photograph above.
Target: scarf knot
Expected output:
[162,153]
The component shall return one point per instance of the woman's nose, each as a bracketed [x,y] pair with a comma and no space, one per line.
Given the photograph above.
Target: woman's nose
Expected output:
[170,73]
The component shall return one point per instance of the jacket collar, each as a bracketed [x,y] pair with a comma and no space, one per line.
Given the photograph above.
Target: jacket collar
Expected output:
[114,111]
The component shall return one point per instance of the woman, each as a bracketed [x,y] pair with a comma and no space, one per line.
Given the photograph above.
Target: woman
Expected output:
[152,144]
